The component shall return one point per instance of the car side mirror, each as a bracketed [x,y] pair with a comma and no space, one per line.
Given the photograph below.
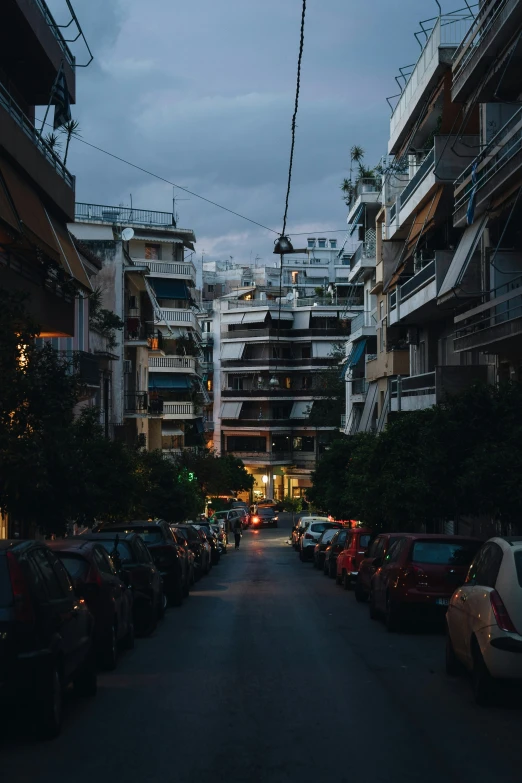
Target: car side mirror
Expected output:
[377,563]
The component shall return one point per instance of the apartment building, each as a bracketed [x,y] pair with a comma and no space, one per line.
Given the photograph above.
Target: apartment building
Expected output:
[145,279]
[269,359]
[37,253]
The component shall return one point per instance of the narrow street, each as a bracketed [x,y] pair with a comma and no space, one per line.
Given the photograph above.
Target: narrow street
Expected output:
[271,673]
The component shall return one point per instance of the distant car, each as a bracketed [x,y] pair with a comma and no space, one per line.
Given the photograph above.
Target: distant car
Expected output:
[212,541]
[200,548]
[162,545]
[421,572]
[322,545]
[367,567]
[129,553]
[333,550]
[227,518]
[349,559]
[302,524]
[311,536]
[108,597]
[268,503]
[264,517]
[46,636]
[484,618]
[187,556]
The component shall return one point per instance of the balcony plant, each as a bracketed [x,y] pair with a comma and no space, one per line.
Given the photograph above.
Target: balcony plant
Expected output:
[103,321]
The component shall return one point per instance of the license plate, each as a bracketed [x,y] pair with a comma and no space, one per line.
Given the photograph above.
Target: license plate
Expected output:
[442,601]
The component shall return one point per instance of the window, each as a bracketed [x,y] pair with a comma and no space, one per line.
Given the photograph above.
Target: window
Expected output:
[306,351]
[458,553]
[333,243]
[207,326]
[381,338]
[246,443]
[394,552]
[63,576]
[124,550]
[207,356]
[304,444]
[486,565]
[210,385]
[295,276]
[341,538]
[210,289]
[43,562]
[143,553]
[281,443]
[102,561]
[321,242]
[287,383]
[377,548]
[235,382]
[306,382]
[152,252]
[381,310]
[311,243]
[76,566]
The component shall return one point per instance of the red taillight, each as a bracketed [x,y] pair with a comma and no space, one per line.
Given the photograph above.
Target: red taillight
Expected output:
[413,574]
[255,520]
[22,600]
[309,536]
[502,617]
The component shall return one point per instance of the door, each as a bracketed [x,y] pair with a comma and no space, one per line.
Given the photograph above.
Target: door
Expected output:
[114,590]
[367,568]
[340,545]
[384,577]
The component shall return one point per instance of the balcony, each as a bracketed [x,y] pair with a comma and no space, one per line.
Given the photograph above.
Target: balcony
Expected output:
[99,213]
[139,404]
[492,173]
[436,57]
[283,364]
[283,335]
[329,301]
[266,392]
[491,31]
[422,391]
[176,316]
[367,191]
[185,271]
[138,333]
[88,369]
[494,326]
[19,137]
[359,390]
[179,410]
[363,325]
[263,457]
[208,425]
[388,363]
[362,260]
[172,364]
[415,295]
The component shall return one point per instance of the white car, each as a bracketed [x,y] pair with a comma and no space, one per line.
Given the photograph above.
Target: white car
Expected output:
[484,618]
[313,528]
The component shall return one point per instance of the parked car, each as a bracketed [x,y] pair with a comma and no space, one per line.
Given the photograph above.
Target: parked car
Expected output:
[350,558]
[222,537]
[484,618]
[421,572]
[376,552]
[133,560]
[311,536]
[47,635]
[267,503]
[212,541]
[162,545]
[227,518]
[265,517]
[187,559]
[108,597]
[321,546]
[200,548]
[301,525]
[333,550]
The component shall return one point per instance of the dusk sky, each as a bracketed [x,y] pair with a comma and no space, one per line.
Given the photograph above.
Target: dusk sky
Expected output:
[202,92]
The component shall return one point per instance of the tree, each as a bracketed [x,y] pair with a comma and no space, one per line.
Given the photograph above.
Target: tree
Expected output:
[71,129]
[163,490]
[217,475]
[331,392]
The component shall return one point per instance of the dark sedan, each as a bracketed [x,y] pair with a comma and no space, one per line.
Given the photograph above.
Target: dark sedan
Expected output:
[321,546]
[264,517]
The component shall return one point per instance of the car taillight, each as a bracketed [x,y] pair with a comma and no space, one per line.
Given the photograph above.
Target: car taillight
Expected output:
[255,520]
[309,536]
[22,600]
[414,575]
[502,617]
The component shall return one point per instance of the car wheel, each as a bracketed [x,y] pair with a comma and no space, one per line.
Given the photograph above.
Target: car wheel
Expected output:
[392,616]
[162,605]
[86,682]
[325,568]
[109,654]
[145,616]
[175,597]
[374,614]
[128,640]
[332,570]
[347,582]
[360,595]
[46,713]
[482,681]
[339,578]
[301,556]
[453,665]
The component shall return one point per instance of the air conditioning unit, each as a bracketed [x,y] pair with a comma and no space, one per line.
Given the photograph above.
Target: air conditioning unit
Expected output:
[412,337]
[127,366]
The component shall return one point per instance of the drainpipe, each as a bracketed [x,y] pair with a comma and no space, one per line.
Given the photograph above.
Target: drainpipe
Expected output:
[399,393]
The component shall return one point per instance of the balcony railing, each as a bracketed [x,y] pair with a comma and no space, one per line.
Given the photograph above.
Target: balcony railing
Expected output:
[501,149]
[424,276]
[178,409]
[422,172]
[172,363]
[329,301]
[234,304]
[364,319]
[484,324]
[16,113]
[487,23]
[42,5]
[365,251]
[88,368]
[119,215]
[141,403]
[414,385]
[359,387]
[177,316]
[367,185]
[186,269]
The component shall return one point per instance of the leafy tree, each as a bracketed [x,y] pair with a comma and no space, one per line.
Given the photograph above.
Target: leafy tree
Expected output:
[164,491]
[217,475]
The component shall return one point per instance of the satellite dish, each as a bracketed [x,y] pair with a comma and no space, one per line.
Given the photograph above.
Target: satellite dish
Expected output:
[127,234]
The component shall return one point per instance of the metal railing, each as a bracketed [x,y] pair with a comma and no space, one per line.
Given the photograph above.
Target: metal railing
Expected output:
[364,319]
[120,215]
[186,269]
[367,185]
[329,301]
[393,211]
[178,409]
[16,113]
[172,362]
[478,33]
[501,308]
[414,385]
[371,357]
[502,147]
[42,5]
[392,300]
[139,402]
[426,275]
[359,386]
[343,420]
[365,251]
[422,172]
[234,304]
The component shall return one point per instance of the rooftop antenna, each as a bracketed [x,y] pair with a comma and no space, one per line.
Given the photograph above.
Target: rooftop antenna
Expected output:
[174,199]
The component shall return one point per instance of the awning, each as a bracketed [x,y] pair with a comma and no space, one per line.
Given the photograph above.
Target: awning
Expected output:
[316,273]
[169,289]
[300,410]
[423,221]
[170,428]
[315,313]
[284,315]
[7,213]
[342,370]
[355,222]
[254,318]
[356,353]
[156,241]
[83,231]
[239,292]
[71,260]
[169,381]
[232,318]
[467,246]
[231,410]
[232,350]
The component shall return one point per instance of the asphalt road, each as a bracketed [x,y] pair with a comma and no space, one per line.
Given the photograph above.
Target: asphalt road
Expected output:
[270,673]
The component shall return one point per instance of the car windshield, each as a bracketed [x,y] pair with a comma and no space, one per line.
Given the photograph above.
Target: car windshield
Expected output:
[265,512]
[320,527]
[221,514]
[364,541]
[189,533]
[518,566]
[76,565]
[6,598]
[328,535]
[124,550]
[459,553]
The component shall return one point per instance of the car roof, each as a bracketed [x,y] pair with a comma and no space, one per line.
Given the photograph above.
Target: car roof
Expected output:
[17,543]
[72,544]
[108,535]
[509,542]
[438,537]
[113,526]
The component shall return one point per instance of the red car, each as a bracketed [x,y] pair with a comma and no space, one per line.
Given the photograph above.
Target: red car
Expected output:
[109,600]
[357,543]
[419,571]
[376,552]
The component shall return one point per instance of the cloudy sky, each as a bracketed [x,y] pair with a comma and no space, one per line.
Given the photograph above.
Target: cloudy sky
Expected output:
[201,92]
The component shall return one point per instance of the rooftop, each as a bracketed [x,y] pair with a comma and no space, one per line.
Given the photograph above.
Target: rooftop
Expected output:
[129,216]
